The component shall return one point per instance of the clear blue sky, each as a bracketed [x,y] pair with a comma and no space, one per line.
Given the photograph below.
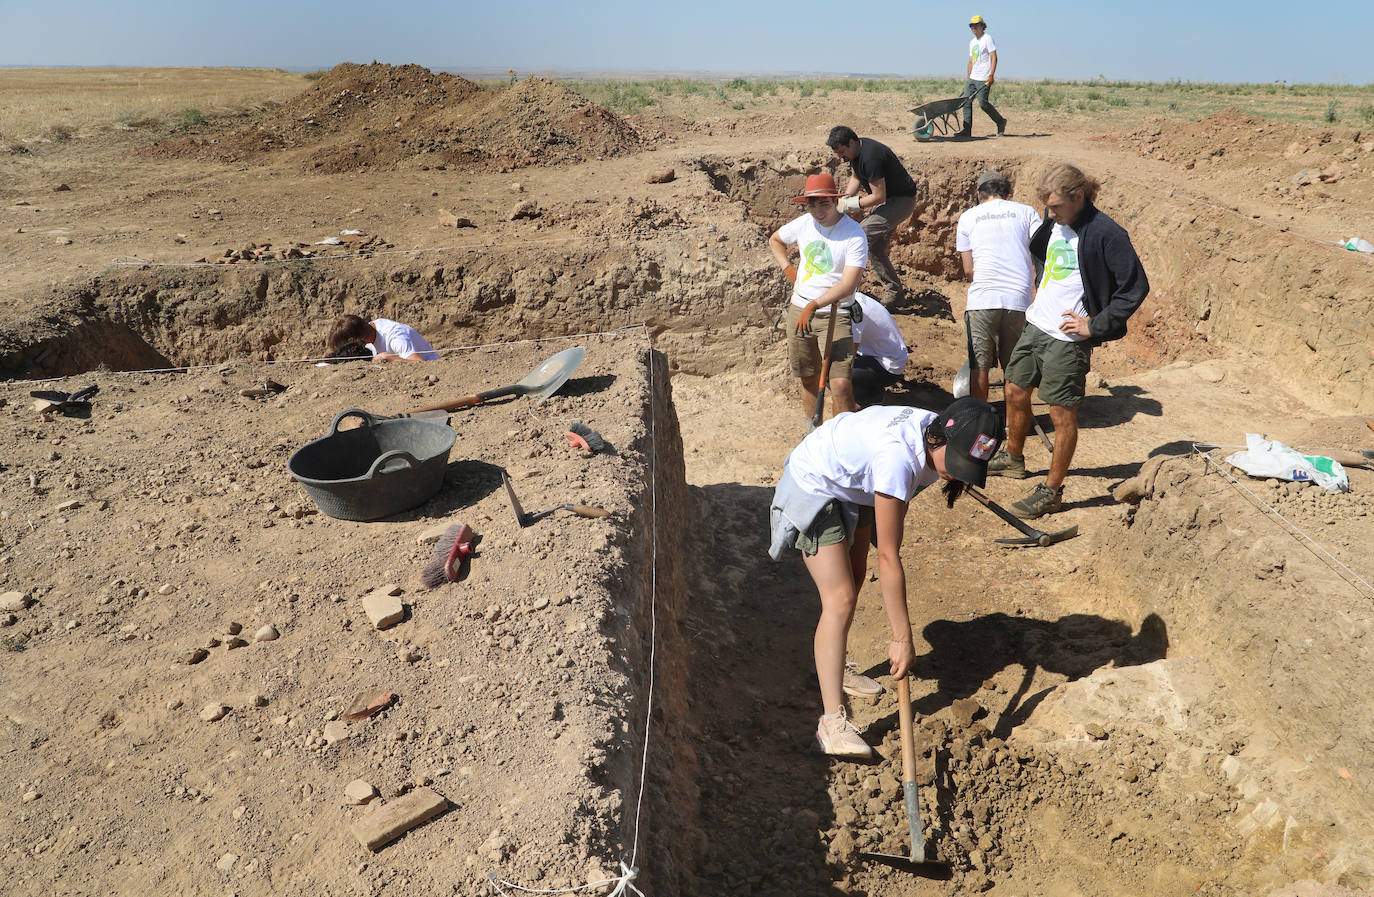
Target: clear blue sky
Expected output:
[1262,40]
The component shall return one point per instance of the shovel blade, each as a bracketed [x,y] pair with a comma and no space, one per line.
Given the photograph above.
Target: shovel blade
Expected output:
[935,869]
[961,382]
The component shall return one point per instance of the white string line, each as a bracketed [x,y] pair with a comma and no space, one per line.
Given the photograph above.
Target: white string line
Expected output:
[629,871]
[1311,544]
[127,261]
[252,361]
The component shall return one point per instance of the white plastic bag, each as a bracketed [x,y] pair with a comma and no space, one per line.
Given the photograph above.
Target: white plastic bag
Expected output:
[1266,458]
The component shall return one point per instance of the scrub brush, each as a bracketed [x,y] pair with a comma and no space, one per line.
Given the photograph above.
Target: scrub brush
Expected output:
[584,437]
[453,547]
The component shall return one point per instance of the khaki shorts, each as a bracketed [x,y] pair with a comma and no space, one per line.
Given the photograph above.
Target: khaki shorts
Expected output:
[805,352]
[828,527]
[992,334]
[1060,368]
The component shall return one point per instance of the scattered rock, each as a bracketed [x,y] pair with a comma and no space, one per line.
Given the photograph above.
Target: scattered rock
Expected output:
[63,241]
[166,589]
[448,219]
[233,628]
[11,601]
[383,610]
[227,862]
[359,792]
[267,633]
[526,208]
[336,731]
[965,711]
[662,176]
[258,700]
[195,655]
[392,820]
[68,506]
[213,712]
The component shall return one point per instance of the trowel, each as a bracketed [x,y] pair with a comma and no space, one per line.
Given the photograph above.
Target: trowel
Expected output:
[525,519]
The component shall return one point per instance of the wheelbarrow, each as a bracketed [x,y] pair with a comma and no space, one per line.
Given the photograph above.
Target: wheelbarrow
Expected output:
[938,117]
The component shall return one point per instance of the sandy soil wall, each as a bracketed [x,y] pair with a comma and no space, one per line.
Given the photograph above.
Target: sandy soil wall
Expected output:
[1274,623]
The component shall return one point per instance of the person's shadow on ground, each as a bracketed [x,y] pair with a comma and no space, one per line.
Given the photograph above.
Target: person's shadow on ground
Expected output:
[963,655]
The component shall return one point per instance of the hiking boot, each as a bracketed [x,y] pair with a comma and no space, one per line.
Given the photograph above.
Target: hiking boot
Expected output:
[1002,128]
[859,685]
[837,736]
[1041,501]
[1005,464]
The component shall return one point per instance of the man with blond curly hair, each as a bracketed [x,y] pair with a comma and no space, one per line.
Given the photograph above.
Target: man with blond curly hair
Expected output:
[1090,283]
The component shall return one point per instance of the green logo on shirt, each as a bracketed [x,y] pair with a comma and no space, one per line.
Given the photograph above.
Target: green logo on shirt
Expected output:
[1060,261]
[817,259]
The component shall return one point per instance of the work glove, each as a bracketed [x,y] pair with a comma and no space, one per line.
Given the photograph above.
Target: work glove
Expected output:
[790,272]
[848,204]
[804,320]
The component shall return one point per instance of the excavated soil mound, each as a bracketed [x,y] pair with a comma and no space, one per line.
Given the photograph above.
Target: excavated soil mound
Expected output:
[1300,166]
[381,116]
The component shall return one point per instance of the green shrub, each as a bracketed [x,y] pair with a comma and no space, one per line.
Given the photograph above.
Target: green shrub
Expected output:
[806,90]
[191,117]
[1331,116]
[1366,113]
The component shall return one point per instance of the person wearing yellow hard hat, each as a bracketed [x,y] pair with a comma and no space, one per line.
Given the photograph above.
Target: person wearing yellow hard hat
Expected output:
[982,68]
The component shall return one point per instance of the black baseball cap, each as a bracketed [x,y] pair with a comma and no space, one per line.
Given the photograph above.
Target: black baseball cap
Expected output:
[973,433]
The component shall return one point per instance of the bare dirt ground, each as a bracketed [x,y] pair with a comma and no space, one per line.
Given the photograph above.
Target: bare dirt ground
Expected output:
[1173,702]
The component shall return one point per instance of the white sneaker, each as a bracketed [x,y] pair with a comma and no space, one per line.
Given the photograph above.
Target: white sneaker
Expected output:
[859,685]
[838,737]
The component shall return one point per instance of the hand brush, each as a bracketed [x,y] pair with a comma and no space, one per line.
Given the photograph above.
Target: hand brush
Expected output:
[453,547]
[584,437]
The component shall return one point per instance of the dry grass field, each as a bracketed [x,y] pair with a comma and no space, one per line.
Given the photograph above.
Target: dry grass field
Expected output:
[60,103]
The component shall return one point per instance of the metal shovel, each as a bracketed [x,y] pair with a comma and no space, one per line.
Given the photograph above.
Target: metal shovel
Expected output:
[1033,536]
[917,862]
[540,383]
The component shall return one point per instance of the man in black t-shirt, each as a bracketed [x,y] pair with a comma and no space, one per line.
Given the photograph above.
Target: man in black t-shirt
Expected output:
[889,197]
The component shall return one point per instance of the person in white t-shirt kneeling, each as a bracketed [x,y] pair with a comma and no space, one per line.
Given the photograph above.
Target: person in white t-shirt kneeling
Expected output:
[853,479]
[880,352]
[993,240]
[386,340]
[833,253]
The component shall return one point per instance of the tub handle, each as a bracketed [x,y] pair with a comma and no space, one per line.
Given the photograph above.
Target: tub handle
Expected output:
[392,455]
[368,419]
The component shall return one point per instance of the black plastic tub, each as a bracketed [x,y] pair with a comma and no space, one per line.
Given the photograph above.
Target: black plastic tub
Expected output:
[384,467]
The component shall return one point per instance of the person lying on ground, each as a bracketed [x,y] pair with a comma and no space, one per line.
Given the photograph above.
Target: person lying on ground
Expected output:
[353,350]
[1092,283]
[880,353]
[851,480]
[387,340]
[993,242]
[833,254]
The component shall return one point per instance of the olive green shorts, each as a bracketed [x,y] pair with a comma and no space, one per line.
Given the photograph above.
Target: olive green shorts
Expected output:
[805,352]
[828,527]
[1060,368]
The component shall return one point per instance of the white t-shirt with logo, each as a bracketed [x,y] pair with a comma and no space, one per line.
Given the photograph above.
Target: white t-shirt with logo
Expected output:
[825,253]
[401,339]
[855,454]
[1061,287]
[980,50]
[998,234]
[877,335]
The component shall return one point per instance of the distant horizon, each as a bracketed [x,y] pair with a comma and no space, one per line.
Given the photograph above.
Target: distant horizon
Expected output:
[1222,42]
[492,74]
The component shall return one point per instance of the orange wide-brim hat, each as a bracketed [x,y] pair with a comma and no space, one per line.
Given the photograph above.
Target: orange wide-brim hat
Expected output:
[818,186]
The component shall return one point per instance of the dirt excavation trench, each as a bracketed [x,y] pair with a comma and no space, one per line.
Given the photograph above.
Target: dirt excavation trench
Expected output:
[1174,702]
